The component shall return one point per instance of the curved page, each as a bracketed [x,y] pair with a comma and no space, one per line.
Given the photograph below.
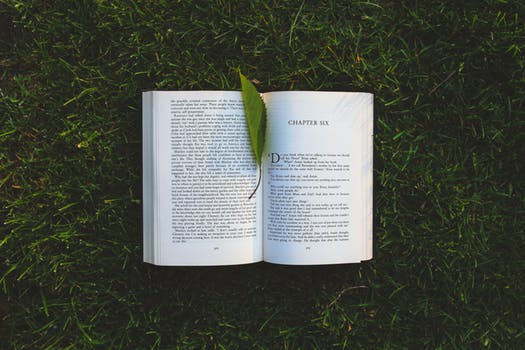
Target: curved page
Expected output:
[318,177]
[196,208]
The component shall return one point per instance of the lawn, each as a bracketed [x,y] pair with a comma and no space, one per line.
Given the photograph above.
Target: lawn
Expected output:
[449,209]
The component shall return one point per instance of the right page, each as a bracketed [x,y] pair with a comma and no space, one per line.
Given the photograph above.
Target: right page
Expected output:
[318,177]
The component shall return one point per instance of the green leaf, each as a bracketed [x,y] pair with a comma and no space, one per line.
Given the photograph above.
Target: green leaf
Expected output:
[255,111]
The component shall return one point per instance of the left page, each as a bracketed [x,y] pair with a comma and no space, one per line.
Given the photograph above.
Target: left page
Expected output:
[199,171]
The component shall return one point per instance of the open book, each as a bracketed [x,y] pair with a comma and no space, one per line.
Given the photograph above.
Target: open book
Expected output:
[314,205]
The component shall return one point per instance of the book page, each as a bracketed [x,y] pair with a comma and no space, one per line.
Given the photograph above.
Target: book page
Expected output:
[206,172]
[317,177]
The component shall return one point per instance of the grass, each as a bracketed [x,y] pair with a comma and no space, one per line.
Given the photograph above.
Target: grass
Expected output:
[448,79]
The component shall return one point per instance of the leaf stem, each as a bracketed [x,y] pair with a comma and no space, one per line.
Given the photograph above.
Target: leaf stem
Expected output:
[258,182]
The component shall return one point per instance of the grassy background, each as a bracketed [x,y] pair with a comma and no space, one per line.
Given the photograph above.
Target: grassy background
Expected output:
[448,79]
